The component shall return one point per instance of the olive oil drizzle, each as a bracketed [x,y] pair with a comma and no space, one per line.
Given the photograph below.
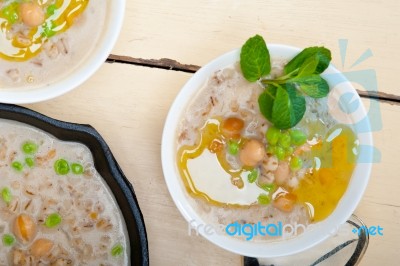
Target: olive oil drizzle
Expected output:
[63,18]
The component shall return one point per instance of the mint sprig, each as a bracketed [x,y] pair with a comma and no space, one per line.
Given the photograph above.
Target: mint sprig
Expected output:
[282,101]
[254,59]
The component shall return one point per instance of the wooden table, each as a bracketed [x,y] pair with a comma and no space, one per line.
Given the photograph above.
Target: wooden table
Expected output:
[163,42]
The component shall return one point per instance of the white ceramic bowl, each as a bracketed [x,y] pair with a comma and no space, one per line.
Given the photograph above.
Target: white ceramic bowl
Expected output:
[321,230]
[85,69]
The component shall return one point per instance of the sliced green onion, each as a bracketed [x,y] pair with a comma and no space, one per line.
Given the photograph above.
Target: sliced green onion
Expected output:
[52,220]
[6,195]
[272,135]
[77,168]
[8,240]
[298,137]
[17,166]
[117,250]
[252,176]
[30,162]
[263,199]
[296,163]
[61,167]
[233,147]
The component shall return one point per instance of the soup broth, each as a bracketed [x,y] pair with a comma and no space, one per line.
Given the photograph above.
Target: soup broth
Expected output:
[55,208]
[33,56]
[238,168]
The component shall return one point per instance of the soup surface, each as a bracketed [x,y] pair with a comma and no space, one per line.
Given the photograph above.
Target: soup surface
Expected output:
[55,208]
[62,34]
[239,168]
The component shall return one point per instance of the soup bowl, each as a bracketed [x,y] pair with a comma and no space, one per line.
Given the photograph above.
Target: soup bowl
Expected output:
[315,233]
[105,165]
[75,73]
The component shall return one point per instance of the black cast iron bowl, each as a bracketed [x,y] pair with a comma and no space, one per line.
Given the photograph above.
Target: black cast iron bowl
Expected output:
[105,164]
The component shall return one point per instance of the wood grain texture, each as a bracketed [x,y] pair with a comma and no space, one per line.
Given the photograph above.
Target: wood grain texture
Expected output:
[128,105]
[194,32]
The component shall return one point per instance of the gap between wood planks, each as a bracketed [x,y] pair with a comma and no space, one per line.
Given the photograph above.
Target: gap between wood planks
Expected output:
[170,64]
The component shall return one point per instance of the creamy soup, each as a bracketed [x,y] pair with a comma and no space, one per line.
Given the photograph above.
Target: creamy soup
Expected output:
[237,167]
[61,35]
[55,208]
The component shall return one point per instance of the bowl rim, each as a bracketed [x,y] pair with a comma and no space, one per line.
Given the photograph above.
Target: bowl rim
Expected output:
[83,71]
[105,164]
[320,231]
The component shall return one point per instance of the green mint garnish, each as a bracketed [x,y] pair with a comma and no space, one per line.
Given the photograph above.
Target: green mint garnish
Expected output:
[319,54]
[282,101]
[254,59]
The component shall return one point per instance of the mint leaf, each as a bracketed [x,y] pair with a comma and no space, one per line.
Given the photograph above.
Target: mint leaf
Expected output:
[288,108]
[308,67]
[323,55]
[254,59]
[266,101]
[314,86]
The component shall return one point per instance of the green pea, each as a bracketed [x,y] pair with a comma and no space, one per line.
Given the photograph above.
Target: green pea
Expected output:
[6,195]
[48,30]
[284,140]
[289,151]
[117,250]
[298,137]
[252,176]
[30,162]
[280,153]
[10,12]
[296,163]
[53,220]
[268,187]
[8,240]
[233,147]
[263,199]
[272,135]
[271,149]
[17,166]
[77,168]
[29,147]
[51,9]
[61,167]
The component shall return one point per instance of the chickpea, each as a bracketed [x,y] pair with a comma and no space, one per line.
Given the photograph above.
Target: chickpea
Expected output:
[32,14]
[252,153]
[231,127]
[41,247]
[24,228]
[285,202]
